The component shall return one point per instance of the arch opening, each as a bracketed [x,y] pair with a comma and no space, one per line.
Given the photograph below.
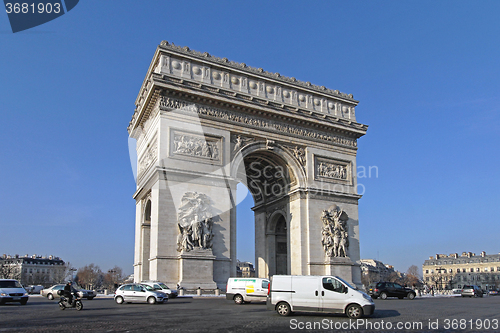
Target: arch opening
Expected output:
[269,177]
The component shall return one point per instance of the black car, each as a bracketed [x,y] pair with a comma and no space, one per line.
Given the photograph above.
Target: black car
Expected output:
[390,289]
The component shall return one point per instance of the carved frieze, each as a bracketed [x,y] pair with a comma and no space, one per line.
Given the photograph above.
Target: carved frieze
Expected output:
[148,158]
[169,104]
[198,146]
[332,170]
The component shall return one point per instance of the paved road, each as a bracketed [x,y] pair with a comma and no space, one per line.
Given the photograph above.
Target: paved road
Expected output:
[218,315]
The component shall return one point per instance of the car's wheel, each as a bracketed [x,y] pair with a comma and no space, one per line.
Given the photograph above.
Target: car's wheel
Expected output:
[238,299]
[411,296]
[61,306]
[354,311]
[119,300]
[283,309]
[151,300]
[50,296]
[23,302]
[383,295]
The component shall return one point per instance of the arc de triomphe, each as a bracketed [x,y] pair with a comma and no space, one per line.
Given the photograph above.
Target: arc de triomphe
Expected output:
[204,124]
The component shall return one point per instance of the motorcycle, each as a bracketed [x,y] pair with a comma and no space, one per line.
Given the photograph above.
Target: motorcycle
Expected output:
[64,302]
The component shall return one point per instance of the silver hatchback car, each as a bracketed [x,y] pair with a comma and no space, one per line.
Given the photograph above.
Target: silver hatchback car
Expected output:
[136,292]
[472,291]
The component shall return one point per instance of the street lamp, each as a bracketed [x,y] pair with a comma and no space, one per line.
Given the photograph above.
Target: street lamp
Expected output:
[113,277]
[440,270]
[72,272]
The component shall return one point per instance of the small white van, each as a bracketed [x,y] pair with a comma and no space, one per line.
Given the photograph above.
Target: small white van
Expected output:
[242,290]
[288,293]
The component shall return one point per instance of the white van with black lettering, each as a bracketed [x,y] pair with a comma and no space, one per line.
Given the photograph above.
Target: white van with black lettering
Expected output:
[242,290]
[288,293]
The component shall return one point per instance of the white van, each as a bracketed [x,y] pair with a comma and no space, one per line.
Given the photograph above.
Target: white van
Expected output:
[242,290]
[331,294]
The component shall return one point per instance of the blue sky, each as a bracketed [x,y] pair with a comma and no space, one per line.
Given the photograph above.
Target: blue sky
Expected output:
[426,74]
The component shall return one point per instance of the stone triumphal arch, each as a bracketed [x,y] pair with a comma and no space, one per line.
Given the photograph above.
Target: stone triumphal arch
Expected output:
[204,124]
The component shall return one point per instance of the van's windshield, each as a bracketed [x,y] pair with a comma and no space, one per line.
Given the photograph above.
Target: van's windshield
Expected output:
[10,284]
[355,288]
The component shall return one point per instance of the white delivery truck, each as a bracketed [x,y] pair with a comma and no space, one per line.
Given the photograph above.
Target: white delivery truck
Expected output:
[242,290]
[288,293]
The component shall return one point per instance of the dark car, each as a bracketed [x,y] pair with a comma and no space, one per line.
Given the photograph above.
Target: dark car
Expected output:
[390,289]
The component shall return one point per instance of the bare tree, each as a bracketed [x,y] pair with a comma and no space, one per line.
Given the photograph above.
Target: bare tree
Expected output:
[64,274]
[412,277]
[9,271]
[89,277]
[113,278]
[368,277]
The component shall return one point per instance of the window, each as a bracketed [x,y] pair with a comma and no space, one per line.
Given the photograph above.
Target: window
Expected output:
[472,270]
[451,270]
[477,269]
[139,288]
[333,285]
[265,284]
[426,271]
[458,270]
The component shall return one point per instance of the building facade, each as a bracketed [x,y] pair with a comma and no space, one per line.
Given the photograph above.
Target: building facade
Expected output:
[376,271]
[33,270]
[445,272]
[245,269]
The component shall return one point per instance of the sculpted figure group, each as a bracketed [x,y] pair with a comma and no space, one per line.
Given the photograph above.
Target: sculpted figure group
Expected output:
[193,146]
[195,222]
[335,232]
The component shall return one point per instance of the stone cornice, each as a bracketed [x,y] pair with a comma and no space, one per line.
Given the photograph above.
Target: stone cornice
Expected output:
[175,67]
[205,56]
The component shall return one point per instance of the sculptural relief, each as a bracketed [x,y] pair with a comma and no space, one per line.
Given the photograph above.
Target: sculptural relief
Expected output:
[195,146]
[335,235]
[195,222]
[240,142]
[148,158]
[332,170]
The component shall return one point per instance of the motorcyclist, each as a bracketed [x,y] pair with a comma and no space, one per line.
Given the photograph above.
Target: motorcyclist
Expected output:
[68,292]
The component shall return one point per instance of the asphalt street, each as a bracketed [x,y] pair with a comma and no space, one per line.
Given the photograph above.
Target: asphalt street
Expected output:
[210,314]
